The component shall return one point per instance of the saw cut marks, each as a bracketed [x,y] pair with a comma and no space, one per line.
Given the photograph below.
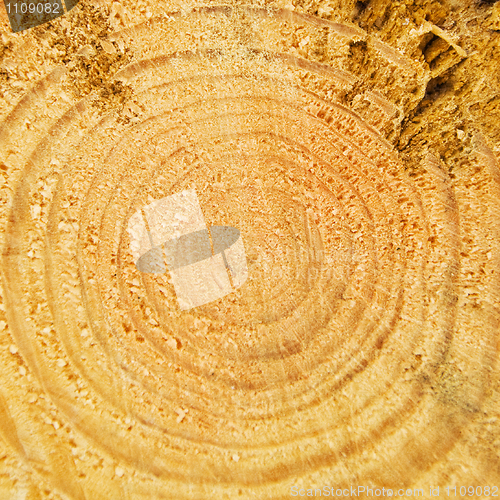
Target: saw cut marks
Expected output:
[365,335]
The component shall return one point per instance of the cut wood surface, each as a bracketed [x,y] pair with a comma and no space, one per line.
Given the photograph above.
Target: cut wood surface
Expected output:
[354,146]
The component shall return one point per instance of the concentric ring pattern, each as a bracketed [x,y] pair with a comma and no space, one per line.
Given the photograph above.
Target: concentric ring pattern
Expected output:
[362,346]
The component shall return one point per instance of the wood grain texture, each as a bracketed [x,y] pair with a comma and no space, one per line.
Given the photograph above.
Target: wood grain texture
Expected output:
[355,147]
